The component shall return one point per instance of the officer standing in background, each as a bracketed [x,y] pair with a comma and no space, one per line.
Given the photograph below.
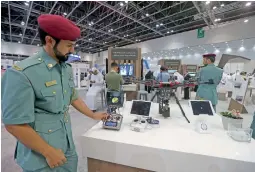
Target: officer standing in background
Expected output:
[163,76]
[209,78]
[253,126]
[36,94]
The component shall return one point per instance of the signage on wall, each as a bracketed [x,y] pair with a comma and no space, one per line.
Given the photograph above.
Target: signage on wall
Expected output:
[124,53]
[200,33]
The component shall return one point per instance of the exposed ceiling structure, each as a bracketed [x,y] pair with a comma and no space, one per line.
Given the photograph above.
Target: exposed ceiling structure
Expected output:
[118,23]
[196,52]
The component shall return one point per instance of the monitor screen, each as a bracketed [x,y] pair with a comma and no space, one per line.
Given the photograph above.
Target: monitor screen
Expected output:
[114,98]
[192,74]
[201,107]
[127,70]
[141,108]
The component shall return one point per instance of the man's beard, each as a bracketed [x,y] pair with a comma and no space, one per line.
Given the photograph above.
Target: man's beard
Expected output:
[59,55]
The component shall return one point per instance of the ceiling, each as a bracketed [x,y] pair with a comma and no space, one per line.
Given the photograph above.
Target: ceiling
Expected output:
[198,50]
[107,24]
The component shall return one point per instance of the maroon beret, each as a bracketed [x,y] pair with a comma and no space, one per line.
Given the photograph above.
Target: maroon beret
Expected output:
[209,55]
[59,27]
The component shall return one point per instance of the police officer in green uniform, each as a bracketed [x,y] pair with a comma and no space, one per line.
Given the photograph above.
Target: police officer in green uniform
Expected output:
[253,126]
[36,94]
[209,78]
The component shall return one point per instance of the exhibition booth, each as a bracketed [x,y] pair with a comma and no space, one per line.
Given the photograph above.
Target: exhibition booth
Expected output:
[146,135]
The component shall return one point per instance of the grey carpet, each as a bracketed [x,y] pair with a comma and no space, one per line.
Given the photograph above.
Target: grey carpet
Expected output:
[80,124]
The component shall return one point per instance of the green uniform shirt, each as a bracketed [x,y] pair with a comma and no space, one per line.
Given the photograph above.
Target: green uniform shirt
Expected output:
[208,91]
[113,81]
[38,91]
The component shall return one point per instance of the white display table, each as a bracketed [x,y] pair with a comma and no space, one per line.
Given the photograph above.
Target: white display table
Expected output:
[131,91]
[129,87]
[174,147]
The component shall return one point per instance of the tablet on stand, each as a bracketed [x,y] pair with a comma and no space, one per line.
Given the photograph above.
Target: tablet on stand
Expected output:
[140,109]
[203,109]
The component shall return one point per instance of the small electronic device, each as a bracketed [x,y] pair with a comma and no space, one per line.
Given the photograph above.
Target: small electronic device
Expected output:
[113,122]
[200,107]
[142,110]
[114,101]
[152,121]
[139,125]
[204,110]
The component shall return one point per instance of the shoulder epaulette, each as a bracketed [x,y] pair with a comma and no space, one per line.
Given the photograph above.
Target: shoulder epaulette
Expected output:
[69,64]
[24,64]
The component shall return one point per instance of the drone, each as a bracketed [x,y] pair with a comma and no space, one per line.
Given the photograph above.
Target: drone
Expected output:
[164,92]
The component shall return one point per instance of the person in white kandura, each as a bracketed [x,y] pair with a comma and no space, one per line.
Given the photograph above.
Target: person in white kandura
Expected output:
[97,81]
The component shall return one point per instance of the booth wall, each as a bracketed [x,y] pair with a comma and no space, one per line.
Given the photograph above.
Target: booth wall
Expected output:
[232,31]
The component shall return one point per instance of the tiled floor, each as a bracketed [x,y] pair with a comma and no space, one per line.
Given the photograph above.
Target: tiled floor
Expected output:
[80,124]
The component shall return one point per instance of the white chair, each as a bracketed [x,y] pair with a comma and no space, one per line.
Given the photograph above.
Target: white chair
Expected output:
[142,95]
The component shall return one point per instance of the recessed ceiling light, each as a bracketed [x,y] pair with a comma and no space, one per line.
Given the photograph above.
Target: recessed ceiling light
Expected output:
[19,42]
[121,4]
[147,14]
[126,2]
[38,45]
[77,45]
[248,4]
[22,23]
[217,51]
[157,25]
[246,20]
[222,5]
[207,2]
[20,34]
[214,7]
[229,49]
[168,32]
[27,4]
[242,48]
[161,24]
[172,31]
[65,14]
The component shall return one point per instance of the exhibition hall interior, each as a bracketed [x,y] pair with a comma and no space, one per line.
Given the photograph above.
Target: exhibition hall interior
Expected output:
[148,86]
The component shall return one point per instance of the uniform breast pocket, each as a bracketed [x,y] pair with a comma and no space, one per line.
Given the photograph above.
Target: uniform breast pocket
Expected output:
[50,99]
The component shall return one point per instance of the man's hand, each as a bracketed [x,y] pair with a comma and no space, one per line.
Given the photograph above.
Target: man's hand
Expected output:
[55,157]
[100,116]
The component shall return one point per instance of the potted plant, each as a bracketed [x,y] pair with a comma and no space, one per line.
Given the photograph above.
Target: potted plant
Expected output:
[232,118]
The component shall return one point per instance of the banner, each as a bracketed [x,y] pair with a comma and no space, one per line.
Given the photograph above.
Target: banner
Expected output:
[124,53]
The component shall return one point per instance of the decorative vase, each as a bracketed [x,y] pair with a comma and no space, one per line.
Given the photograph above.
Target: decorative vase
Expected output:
[235,122]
